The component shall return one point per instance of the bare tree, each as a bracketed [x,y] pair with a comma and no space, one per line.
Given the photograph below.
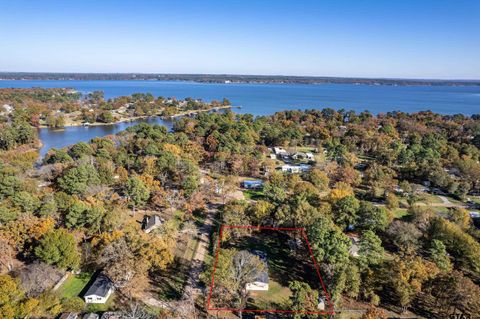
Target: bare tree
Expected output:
[7,255]
[246,268]
[163,178]
[174,200]
[135,310]
[119,262]
[38,277]
[225,186]
[185,309]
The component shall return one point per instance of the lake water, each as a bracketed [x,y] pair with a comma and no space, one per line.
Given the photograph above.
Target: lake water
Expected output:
[71,135]
[264,99]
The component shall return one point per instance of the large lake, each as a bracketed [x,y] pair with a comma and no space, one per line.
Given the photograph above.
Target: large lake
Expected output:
[263,99]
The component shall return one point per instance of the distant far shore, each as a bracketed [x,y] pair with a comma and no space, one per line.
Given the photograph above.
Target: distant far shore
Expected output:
[233,78]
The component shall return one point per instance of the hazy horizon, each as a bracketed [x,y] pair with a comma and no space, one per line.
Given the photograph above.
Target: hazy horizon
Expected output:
[431,39]
[244,74]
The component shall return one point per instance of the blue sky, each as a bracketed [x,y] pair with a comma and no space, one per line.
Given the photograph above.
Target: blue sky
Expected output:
[365,38]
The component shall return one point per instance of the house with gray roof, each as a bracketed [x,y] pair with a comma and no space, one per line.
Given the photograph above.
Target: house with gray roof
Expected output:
[252,184]
[100,290]
[151,222]
[68,315]
[112,315]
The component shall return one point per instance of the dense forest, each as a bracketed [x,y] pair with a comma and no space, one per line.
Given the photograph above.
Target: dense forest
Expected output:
[379,178]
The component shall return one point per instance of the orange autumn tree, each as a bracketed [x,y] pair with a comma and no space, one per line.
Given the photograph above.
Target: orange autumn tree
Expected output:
[26,229]
[374,313]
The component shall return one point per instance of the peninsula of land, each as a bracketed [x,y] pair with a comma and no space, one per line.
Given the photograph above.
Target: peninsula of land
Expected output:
[63,107]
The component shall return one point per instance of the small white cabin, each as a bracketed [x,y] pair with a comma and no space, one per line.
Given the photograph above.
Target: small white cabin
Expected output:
[310,156]
[280,151]
[100,290]
[321,303]
[257,286]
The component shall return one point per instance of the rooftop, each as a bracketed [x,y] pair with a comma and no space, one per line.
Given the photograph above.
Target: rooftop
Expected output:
[151,222]
[100,287]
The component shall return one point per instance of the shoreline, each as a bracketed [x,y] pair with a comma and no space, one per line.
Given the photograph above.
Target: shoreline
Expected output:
[136,118]
[193,112]
[234,78]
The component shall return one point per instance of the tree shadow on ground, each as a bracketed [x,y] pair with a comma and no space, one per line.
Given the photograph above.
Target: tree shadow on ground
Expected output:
[170,284]
[285,265]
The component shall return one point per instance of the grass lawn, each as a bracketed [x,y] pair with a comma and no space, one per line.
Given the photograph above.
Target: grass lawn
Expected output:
[191,248]
[276,296]
[442,211]
[399,213]
[73,286]
[430,199]
[365,157]
[305,149]
[174,222]
[98,307]
[170,283]
[454,201]
[475,199]
[177,219]
[253,194]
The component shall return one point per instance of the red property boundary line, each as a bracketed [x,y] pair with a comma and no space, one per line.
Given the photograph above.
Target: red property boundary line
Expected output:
[302,230]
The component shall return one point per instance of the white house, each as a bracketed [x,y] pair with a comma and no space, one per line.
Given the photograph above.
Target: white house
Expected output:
[257,285]
[291,169]
[151,222]
[321,303]
[294,169]
[280,151]
[261,281]
[302,155]
[8,108]
[100,290]
[474,215]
